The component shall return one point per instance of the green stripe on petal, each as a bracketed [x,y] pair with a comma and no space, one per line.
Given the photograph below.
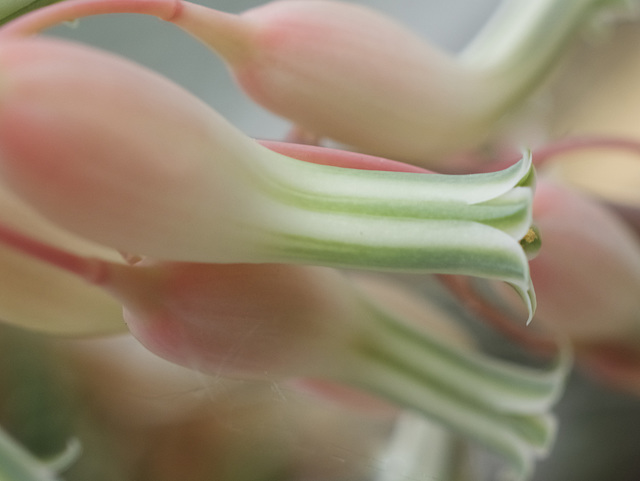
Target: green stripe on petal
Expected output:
[395,221]
[497,404]
[308,179]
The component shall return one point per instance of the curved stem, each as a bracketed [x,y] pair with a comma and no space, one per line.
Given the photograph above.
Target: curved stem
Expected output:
[545,154]
[523,39]
[70,10]
[91,270]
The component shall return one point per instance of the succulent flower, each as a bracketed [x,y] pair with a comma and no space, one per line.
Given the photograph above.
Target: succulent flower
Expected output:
[232,248]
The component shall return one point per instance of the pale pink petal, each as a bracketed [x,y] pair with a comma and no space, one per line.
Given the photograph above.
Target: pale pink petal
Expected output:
[117,153]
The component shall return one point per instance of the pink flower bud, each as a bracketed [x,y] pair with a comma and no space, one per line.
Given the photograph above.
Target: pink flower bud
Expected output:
[128,159]
[117,153]
[349,73]
[239,319]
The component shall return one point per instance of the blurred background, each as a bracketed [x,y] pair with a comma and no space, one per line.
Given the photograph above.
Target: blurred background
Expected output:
[142,419]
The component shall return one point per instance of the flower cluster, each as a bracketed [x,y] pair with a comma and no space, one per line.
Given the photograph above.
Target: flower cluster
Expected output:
[127,203]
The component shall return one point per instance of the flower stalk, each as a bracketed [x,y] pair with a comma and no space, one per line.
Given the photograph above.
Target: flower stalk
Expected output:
[520,44]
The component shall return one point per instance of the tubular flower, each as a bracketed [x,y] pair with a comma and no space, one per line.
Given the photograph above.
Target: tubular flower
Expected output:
[232,244]
[349,73]
[318,63]
[597,307]
[587,278]
[577,288]
[185,185]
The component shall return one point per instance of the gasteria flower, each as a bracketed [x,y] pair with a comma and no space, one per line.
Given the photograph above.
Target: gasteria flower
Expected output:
[596,251]
[131,161]
[349,73]
[578,289]
[598,307]
[231,243]
[174,180]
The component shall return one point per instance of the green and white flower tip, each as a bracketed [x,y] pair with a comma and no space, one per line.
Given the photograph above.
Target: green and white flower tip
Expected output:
[17,464]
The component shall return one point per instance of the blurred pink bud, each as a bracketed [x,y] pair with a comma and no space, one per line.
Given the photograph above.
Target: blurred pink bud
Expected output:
[349,73]
[239,319]
[588,273]
[587,277]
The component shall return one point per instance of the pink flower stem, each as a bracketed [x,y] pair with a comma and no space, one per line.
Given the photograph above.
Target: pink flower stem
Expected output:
[338,158]
[38,20]
[91,270]
[546,154]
